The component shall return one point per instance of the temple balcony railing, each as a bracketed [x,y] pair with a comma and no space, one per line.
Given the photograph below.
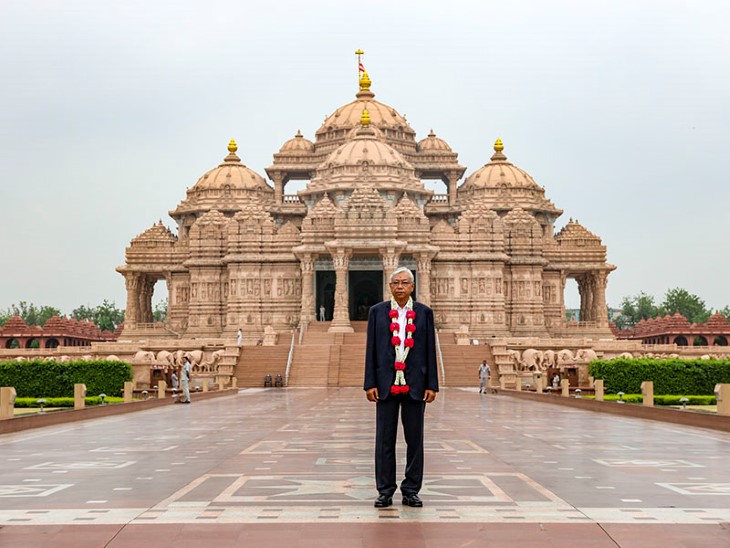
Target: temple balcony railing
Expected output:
[291,199]
[439,199]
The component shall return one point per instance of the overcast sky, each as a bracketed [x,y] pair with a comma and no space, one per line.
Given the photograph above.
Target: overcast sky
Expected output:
[110,110]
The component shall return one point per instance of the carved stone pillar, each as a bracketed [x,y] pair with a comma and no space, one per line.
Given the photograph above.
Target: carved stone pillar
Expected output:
[451,185]
[131,280]
[585,288]
[307,313]
[341,316]
[600,311]
[390,260]
[423,266]
[278,179]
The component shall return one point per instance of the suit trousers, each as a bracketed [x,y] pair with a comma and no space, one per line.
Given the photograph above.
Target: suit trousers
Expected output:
[386,432]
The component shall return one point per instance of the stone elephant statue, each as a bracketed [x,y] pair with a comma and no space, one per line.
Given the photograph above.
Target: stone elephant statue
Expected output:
[628,355]
[586,355]
[565,356]
[112,358]
[179,358]
[166,358]
[212,364]
[549,359]
[514,358]
[531,360]
[143,356]
[195,357]
[64,359]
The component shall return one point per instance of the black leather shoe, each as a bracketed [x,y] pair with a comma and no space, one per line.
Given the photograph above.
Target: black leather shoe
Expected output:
[413,501]
[383,501]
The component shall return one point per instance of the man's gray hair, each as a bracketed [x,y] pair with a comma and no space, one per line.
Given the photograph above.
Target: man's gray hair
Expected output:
[402,269]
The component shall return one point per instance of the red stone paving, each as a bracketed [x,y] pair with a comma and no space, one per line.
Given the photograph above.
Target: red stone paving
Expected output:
[293,467]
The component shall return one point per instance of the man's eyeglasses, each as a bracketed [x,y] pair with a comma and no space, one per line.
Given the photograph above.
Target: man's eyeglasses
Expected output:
[399,283]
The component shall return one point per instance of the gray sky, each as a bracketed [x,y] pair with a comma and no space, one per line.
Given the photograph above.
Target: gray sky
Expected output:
[110,110]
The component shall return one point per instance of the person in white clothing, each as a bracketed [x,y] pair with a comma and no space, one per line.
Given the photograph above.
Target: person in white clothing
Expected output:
[185,381]
[483,377]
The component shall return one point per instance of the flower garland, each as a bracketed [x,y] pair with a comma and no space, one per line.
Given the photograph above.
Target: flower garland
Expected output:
[399,385]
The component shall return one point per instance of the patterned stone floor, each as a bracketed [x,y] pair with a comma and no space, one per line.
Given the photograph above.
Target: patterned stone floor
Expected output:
[294,467]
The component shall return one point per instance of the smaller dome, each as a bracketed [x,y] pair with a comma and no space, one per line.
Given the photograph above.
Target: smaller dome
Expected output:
[231,174]
[366,148]
[433,144]
[499,172]
[297,145]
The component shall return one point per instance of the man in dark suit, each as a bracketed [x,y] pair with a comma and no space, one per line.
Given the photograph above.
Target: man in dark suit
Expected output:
[400,377]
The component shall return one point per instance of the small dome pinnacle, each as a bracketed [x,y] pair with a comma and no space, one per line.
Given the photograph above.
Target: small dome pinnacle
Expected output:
[365,81]
[498,146]
[365,118]
[232,146]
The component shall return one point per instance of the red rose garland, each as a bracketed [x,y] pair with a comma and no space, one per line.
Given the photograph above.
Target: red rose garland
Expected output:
[399,385]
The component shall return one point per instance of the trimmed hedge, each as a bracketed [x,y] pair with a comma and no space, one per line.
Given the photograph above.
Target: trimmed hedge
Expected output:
[63,402]
[47,379]
[674,376]
[663,400]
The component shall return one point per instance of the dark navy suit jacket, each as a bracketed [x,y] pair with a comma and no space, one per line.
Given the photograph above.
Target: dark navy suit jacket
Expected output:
[421,372]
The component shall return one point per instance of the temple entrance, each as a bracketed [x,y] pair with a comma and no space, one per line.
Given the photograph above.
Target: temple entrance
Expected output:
[326,281]
[366,289]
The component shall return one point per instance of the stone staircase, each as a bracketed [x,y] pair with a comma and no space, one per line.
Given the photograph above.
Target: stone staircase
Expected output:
[461,362]
[338,359]
[255,362]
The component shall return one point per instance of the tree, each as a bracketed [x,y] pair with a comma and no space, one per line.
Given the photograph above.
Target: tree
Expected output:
[636,308]
[29,313]
[688,305]
[159,314]
[106,315]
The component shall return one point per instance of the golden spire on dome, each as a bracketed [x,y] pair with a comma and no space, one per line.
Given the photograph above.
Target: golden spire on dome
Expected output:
[232,146]
[365,81]
[365,118]
[498,146]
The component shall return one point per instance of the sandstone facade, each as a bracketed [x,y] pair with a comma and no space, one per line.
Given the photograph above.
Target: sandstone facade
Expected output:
[248,255]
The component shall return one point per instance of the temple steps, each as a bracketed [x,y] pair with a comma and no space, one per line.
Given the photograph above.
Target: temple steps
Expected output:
[461,363]
[255,362]
[325,359]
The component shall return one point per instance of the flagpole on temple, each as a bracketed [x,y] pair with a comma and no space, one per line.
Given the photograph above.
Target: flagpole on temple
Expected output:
[360,68]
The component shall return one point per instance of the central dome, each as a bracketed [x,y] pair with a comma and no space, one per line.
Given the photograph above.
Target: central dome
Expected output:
[387,121]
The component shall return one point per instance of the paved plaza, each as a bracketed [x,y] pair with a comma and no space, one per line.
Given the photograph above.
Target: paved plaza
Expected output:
[294,467]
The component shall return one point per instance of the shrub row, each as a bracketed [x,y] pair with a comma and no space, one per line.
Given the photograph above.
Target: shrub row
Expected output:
[47,379]
[64,402]
[663,400]
[671,377]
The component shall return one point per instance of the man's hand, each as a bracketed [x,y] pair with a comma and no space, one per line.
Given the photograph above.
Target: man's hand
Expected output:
[429,396]
[372,394]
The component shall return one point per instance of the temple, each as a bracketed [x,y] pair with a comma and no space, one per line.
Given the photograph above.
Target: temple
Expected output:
[248,255]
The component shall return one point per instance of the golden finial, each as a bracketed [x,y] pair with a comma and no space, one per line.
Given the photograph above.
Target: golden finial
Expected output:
[365,118]
[365,81]
[359,52]
[498,146]
[232,146]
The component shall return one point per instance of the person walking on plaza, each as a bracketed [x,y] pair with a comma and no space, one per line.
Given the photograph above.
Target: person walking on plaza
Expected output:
[185,381]
[484,372]
[174,381]
[401,378]
[239,337]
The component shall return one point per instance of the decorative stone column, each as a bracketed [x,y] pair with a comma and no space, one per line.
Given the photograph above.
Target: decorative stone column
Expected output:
[341,316]
[131,281]
[390,260]
[452,179]
[423,266]
[278,179]
[600,311]
[307,313]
